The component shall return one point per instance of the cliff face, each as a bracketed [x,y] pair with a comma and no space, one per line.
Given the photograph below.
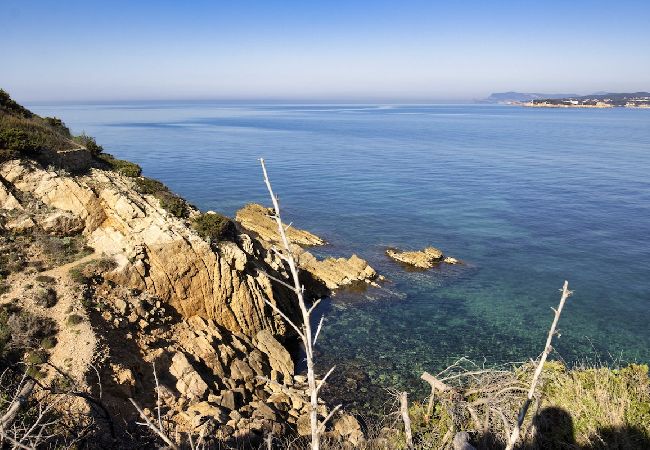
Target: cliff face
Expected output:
[157,252]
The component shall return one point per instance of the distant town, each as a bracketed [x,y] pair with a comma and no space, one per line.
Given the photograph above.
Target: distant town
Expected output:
[600,100]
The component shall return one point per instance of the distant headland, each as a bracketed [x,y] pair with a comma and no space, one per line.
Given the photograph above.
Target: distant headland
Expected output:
[597,100]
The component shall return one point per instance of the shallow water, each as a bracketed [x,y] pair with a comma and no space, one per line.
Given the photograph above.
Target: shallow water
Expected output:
[526,197]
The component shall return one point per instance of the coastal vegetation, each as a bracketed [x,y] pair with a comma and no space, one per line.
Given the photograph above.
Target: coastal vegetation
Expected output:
[197,333]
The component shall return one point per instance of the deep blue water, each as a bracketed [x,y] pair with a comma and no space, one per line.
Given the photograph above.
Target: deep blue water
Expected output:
[527,197]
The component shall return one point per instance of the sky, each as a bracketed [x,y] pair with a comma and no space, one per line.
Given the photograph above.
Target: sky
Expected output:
[308,50]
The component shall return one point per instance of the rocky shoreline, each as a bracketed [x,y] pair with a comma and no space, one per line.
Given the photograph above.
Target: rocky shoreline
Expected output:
[194,308]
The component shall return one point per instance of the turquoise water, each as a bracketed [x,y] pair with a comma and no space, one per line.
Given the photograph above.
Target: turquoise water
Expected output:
[527,197]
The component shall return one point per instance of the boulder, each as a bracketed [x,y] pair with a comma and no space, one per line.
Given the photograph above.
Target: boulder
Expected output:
[348,427]
[337,272]
[279,357]
[189,382]
[7,199]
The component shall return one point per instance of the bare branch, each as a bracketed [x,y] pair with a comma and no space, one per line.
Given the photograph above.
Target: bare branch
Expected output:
[153,427]
[514,436]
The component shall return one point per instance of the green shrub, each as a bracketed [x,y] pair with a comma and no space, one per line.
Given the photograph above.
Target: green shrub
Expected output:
[45,297]
[85,273]
[150,186]
[174,205]
[10,106]
[89,143]
[48,343]
[74,319]
[58,125]
[169,201]
[121,166]
[214,227]
[46,279]
[19,141]
[5,332]
[36,357]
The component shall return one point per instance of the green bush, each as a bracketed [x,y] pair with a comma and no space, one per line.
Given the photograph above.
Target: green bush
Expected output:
[58,125]
[9,105]
[74,319]
[121,166]
[85,273]
[48,343]
[45,297]
[89,143]
[173,204]
[36,357]
[169,201]
[150,186]
[46,279]
[19,141]
[214,227]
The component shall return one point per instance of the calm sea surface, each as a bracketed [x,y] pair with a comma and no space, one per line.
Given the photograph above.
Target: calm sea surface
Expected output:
[526,197]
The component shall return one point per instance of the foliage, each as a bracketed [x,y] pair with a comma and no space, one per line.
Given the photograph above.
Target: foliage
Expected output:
[169,201]
[25,134]
[48,343]
[21,331]
[214,227]
[89,143]
[8,105]
[74,319]
[121,166]
[85,273]
[63,250]
[45,297]
[46,279]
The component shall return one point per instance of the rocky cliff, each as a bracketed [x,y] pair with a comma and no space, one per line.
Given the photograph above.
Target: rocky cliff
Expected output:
[151,292]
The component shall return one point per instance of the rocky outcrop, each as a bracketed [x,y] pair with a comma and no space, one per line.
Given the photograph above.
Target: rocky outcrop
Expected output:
[156,251]
[424,259]
[62,223]
[337,272]
[259,220]
[7,199]
[333,273]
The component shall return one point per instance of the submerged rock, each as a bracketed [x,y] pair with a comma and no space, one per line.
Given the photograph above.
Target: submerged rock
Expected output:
[424,259]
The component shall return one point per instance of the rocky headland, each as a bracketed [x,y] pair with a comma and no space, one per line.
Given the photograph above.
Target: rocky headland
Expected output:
[130,279]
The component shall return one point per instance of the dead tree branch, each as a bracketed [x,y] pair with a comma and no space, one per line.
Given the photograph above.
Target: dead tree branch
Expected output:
[304,331]
[540,366]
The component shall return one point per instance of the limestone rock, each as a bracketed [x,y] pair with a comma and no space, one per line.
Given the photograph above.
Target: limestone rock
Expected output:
[21,224]
[348,427]
[155,251]
[424,259]
[62,223]
[258,219]
[337,272]
[189,382]
[331,272]
[279,357]
[7,199]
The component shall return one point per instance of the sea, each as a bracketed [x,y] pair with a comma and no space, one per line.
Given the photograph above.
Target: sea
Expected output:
[526,197]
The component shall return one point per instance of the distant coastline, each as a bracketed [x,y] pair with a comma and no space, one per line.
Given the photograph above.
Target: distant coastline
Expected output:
[599,100]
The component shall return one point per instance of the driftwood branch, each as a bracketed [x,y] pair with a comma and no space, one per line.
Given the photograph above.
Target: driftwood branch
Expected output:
[514,436]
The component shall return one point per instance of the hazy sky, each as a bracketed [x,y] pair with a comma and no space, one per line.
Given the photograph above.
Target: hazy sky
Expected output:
[371,50]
